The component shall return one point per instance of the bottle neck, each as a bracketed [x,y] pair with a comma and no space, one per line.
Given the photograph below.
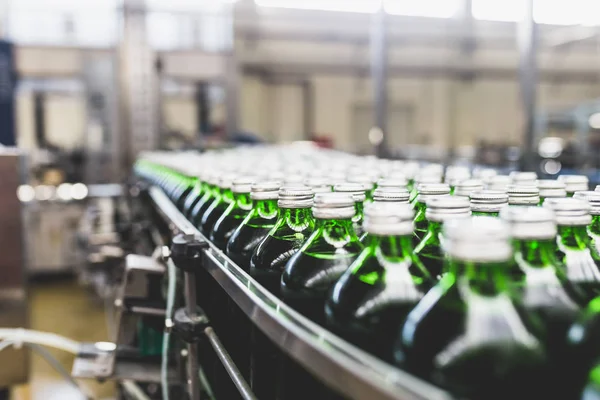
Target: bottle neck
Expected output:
[266,209]
[485,213]
[359,211]
[420,209]
[537,254]
[242,201]
[394,248]
[574,237]
[337,231]
[594,227]
[226,195]
[486,279]
[297,218]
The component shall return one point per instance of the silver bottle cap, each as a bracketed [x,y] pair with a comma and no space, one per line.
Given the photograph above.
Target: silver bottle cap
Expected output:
[552,188]
[523,195]
[265,190]
[429,190]
[477,239]
[243,184]
[425,178]
[575,183]
[592,198]
[357,190]
[318,184]
[536,223]
[569,211]
[388,219]
[391,195]
[488,200]
[295,196]
[226,181]
[499,182]
[392,183]
[523,178]
[443,208]
[456,174]
[466,187]
[333,206]
[367,181]
[597,188]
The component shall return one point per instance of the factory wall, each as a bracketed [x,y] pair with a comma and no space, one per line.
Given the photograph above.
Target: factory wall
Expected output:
[434,111]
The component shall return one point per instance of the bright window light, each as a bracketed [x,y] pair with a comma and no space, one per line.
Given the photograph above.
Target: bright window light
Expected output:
[555,12]
[360,6]
[423,8]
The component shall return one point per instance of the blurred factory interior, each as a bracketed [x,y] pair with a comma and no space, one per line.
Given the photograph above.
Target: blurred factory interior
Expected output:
[87,85]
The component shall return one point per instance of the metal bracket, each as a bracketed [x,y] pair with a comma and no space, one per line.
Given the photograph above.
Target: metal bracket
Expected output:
[190,328]
[186,251]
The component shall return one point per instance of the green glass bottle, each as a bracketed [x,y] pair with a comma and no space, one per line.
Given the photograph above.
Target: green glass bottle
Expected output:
[211,192]
[551,189]
[439,210]
[324,256]
[523,195]
[217,207]
[372,298]
[256,225]
[467,333]
[538,278]
[593,229]
[488,202]
[591,390]
[574,247]
[295,223]
[574,183]
[358,193]
[235,212]
[455,174]
[423,179]
[426,191]
[201,186]
[468,186]
[367,181]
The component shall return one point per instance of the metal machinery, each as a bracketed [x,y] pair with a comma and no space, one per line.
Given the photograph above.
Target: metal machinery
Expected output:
[217,308]
[14,366]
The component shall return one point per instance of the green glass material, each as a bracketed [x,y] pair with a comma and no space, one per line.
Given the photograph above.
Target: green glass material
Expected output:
[593,231]
[544,291]
[575,252]
[253,229]
[429,250]
[420,222]
[214,211]
[591,391]
[359,216]
[293,227]
[470,336]
[210,194]
[370,301]
[231,218]
[323,258]
[194,197]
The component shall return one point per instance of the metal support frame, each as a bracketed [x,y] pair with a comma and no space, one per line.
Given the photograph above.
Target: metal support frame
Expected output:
[528,73]
[379,74]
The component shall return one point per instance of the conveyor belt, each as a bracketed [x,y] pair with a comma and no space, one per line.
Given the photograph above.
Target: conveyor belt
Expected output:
[340,365]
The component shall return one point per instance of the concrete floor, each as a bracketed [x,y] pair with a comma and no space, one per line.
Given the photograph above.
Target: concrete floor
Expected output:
[64,308]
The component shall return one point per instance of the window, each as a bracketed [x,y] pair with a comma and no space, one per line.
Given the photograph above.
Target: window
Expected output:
[423,8]
[556,12]
[361,6]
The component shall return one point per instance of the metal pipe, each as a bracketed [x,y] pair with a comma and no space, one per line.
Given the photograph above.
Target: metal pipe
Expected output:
[528,44]
[234,373]
[379,73]
[192,359]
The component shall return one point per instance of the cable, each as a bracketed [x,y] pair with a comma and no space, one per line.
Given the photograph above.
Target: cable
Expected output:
[164,367]
[20,335]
